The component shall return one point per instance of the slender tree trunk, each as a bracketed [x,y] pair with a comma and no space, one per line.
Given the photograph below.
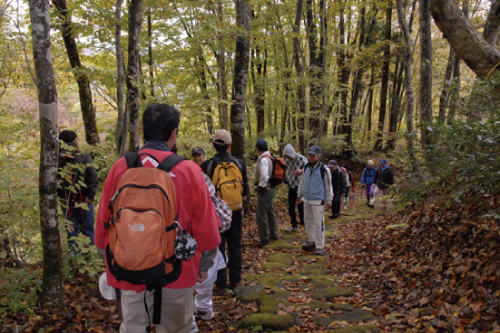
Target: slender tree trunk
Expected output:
[122,122]
[221,73]
[150,55]
[323,121]
[426,78]
[370,105]
[241,61]
[258,90]
[445,92]
[52,294]
[454,91]
[301,88]
[410,100]
[84,91]
[204,90]
[134,27]
[397,84]
[314,73]
[357,82]
[385,78]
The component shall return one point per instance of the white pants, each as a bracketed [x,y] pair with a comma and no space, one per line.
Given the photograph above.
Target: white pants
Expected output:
[314,216]
[203,298]
[176,311]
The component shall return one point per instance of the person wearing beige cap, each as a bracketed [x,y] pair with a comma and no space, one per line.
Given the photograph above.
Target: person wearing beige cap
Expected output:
[229,176]
[367,180]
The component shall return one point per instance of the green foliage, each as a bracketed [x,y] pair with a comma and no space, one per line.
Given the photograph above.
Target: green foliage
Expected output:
[85,261]
[19,289]
[19,183]
[468,163]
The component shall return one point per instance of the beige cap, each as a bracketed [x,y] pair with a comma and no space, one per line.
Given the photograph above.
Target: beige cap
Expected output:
[222,136]
[370,162]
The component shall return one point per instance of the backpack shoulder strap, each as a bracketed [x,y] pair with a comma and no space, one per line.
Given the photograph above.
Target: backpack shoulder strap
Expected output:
[133,160]
[170,162]
[212,164]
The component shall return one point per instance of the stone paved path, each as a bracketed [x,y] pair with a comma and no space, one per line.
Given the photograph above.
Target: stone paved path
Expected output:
[292,287]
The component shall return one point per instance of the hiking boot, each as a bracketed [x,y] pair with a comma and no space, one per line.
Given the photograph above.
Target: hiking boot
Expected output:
[292,229]
[309,246]
[319,252]
[262,243]
[233,285]
[275,238]
[204,315]
[371,206]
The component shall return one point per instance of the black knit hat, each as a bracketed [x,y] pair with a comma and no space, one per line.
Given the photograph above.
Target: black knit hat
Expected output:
[67,136]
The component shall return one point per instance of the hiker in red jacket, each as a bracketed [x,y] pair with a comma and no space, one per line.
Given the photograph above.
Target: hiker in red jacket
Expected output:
[196,214]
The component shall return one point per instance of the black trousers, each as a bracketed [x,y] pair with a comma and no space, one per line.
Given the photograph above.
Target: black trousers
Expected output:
[234,251]
[336,203]
[292,202]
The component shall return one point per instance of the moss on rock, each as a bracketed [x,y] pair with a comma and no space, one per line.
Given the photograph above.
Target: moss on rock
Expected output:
[358,329]
[282,258]
[332,292]
[267,321]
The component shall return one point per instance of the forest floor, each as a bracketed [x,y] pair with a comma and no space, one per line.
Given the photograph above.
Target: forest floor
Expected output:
[381,272]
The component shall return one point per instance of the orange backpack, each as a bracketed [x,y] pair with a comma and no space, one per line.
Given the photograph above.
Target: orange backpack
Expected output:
[278,171]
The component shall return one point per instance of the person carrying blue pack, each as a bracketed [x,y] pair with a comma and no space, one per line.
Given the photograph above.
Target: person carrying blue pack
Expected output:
[367,179]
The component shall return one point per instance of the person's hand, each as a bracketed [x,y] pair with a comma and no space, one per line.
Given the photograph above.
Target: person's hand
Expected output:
[299,200]
[88,200]
[362,185]
[202,276]
[328,206]
[298,172]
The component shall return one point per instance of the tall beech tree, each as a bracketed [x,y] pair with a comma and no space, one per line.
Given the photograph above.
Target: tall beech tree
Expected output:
[385,77]
[52,293]
[82,79]
[123,114]
[425,77]
[410,99]
[301,87]
[240,76]
[133,68]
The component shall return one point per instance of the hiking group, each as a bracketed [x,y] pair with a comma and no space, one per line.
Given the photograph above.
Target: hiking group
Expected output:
[169,228]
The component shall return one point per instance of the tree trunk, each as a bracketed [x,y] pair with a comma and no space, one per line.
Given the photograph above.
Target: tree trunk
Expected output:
[397,84]
[200,68]
[314,73]
[410,99]
[134,27]
[454,91]
[221,73]
[467,43]
[84,91]
[492,26]
[321,63]
[301,88]
[370,105]
[259,90]
[150,55]
[385,79]
[445,92]
[122,122]
[52,294]
[425,78]
[241,60]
